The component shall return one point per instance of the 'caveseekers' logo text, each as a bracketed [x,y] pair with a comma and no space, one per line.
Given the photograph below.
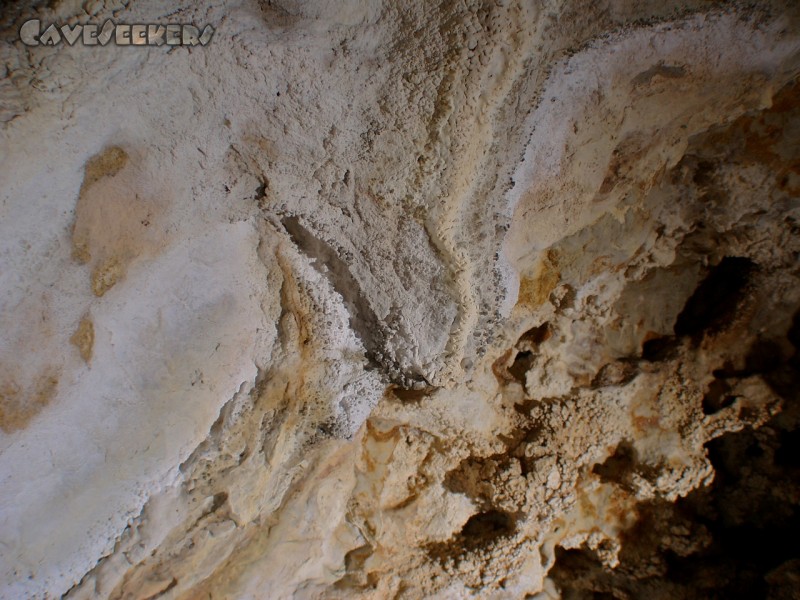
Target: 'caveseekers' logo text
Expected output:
[32,34]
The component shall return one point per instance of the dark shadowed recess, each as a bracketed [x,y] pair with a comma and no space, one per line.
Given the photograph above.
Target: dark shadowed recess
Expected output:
[709,309]
[714,301]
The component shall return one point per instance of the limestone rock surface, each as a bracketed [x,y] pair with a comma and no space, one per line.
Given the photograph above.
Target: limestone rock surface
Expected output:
[370,299]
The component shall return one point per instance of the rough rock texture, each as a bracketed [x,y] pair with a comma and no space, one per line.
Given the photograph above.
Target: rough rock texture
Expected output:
[490,299]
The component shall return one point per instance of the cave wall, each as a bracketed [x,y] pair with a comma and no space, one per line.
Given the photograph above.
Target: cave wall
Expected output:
[400,300]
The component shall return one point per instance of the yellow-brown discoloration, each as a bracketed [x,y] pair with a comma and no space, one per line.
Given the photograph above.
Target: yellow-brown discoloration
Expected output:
[535,289]
[114,223]
[107,163]
[83,339]
[18,405]
[104,276]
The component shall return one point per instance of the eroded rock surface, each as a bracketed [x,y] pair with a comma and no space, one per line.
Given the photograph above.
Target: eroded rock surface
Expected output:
[402,300]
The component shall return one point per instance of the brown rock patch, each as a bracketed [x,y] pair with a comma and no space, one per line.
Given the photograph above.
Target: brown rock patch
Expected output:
[19,404]
[83,339]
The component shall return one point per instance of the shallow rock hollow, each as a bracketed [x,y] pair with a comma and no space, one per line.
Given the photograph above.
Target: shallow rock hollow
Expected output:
[370,299]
